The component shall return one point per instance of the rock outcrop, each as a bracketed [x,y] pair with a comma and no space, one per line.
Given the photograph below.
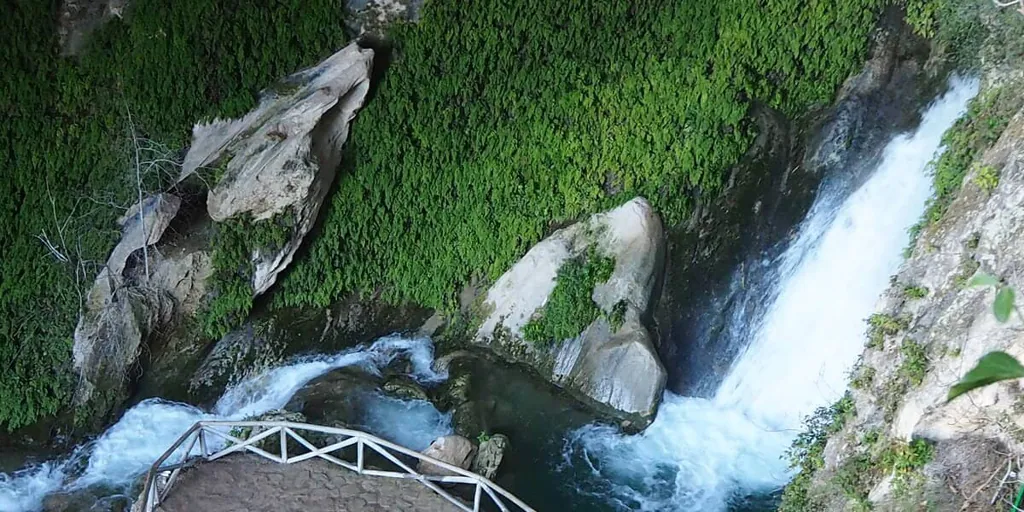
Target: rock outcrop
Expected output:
[455,450]
[489,456]
[274,165]
[281,158]
[616,367]
[126,302]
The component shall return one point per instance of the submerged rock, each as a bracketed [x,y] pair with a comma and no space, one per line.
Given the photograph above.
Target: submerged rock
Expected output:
[455,450]
[617,367]
[335,399]
[489,456]
[281,158]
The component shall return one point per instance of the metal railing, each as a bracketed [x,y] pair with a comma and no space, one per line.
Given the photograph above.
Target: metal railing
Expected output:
[215,440]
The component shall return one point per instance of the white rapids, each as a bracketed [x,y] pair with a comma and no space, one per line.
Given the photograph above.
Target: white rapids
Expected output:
[704,454]
[126,450]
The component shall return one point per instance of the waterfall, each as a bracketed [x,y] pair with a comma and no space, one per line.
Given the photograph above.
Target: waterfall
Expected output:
[127,449]
[707,454]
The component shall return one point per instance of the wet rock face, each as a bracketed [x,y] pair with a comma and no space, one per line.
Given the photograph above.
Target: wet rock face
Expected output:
[126,302]
[335,399]
[615,367]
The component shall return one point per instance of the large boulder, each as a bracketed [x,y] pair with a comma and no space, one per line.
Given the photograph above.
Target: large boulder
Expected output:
[278,161]
[614,366]
[455,450]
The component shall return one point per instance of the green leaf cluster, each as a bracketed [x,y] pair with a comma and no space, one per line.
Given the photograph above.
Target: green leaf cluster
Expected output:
[234,242]
[986,118]
[570,308]
[497,120]
[807,453]
[991,368]
[66,158]
[881,325]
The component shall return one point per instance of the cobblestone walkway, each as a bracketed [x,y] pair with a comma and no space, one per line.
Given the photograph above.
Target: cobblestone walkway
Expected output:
[246,483]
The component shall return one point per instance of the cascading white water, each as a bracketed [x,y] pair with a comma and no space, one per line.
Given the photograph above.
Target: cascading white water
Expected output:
[130,446]
[699,454]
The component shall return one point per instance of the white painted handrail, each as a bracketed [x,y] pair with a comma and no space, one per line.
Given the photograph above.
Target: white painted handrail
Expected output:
[162,475]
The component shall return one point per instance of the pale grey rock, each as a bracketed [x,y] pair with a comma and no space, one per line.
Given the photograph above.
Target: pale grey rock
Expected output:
[981,230]
[280,159]
[121,309]
[455,450]
[618,368]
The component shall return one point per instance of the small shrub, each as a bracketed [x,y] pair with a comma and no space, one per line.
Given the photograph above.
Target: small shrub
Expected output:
[881,325]
[972,242]
[904,461]
[915,362]
[986,178]
[864,378]
[807,452]
[618,315]
[854,478]
[915,292]
[967,269]
[570,307]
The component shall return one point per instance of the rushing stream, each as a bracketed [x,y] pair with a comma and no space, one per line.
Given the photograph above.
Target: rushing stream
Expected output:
[712,454]
[701,454]
[127,449]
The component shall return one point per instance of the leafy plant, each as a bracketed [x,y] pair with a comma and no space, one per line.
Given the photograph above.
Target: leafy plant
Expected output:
[915,362]
[865,376]
[991,368]
[807,452]
[915,292]
[570,307]
[881,325]
[995,366]
[986,178]
[483,437]
[904,461]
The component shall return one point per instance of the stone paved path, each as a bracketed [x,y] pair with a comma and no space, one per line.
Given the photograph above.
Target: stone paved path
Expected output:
[247,483]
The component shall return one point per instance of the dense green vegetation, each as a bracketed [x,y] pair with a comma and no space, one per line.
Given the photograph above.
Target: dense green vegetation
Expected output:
[234,243]
[986,118]
[570,307]
[807,454]
[67,165]
[498,118]
[874,456]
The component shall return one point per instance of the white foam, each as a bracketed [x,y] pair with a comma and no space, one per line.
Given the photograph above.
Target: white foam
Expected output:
[699,454]
[127,449]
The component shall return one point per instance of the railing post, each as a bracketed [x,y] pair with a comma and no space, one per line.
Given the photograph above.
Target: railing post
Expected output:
[152,500]
[202,442]
[476,498]
[359,454]
[284,446]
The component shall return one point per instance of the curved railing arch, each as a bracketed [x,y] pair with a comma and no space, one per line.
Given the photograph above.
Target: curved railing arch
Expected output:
[214,440]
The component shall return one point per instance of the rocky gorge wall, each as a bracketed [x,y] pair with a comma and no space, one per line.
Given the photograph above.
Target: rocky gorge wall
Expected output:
[895,442]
